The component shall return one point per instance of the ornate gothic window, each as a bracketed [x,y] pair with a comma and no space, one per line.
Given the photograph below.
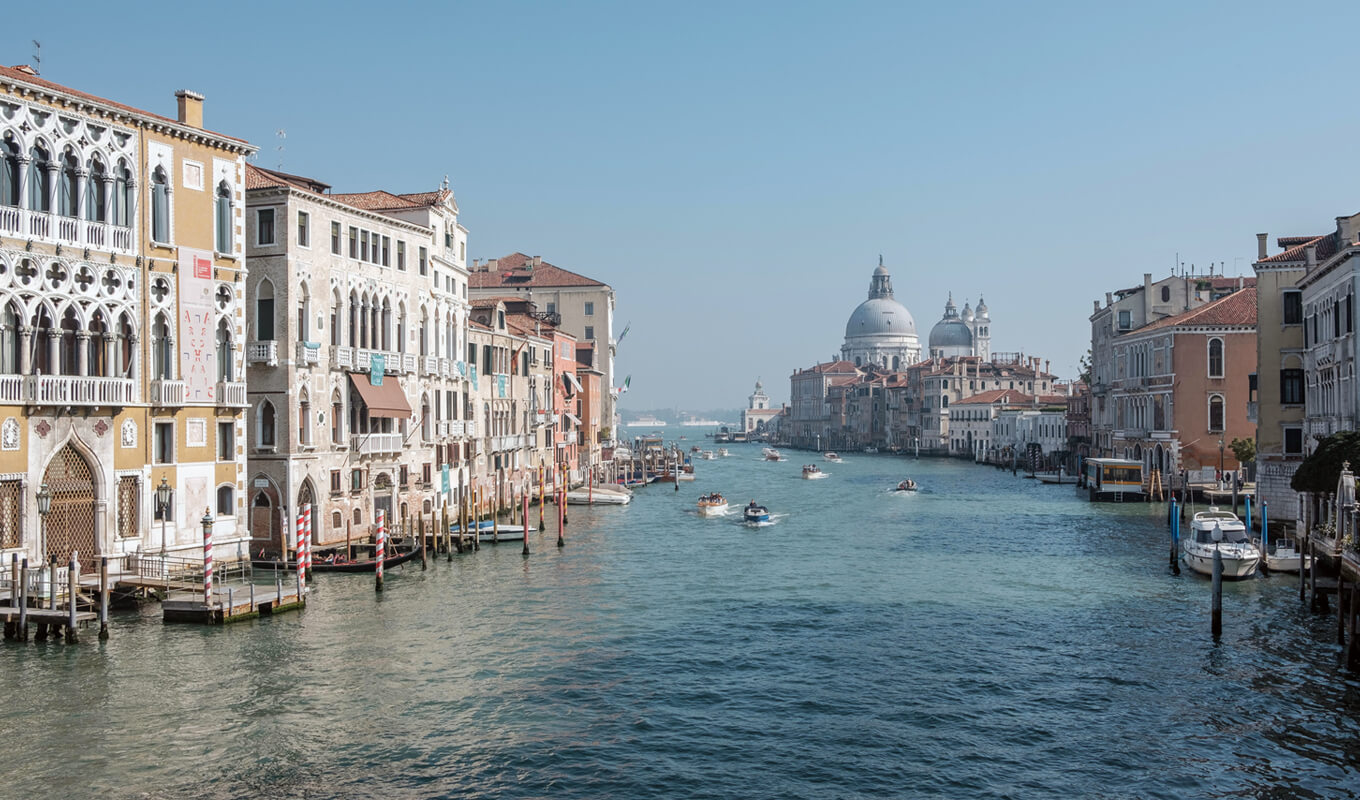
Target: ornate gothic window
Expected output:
[39,180]
[68,194]
[97,192]
[224,351]
[160,206]
[225,219]
[162,349]
[9,173]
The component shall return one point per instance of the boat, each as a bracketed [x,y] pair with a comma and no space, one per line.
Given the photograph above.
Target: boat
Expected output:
[708,455]
[832,457]
[812,472]
[340,563]
[907,485]
[1058,477]
[1285,557]
[755,515]
[722,452]
[1116,480]
[645,422]
[695,449]
[1222,531]
[871,449]
[600,496]
[712,505]
[772,454]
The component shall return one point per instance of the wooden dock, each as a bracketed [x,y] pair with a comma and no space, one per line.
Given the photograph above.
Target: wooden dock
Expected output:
[232,604]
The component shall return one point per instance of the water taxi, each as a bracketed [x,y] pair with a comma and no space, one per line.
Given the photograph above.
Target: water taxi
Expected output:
[1114,479]
[832,457]
[755,514]
[772,454]
[812,472]
[712,505]
[1221,531]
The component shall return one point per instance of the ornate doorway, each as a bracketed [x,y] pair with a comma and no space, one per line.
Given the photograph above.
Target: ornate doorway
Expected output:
[71,522]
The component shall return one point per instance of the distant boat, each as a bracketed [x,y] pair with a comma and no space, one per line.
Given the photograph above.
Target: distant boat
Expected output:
[772,454]
[701,423]
[832,457]
[342,564]
[907,485]
[755,515]
[812,472]
[1060,476]
[712,505]
[647,421]
[871,449]
[722,452]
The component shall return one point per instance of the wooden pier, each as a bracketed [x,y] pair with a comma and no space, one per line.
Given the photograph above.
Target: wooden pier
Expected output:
[233,604]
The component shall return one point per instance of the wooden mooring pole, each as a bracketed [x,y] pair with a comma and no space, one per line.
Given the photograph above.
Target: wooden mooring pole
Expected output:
[72,587]
[1216,623]
[23,601]
[104,597]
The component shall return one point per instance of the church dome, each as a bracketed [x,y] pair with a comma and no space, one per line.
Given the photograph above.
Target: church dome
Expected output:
[981,308]
[967,314]
[950,332]
[880,315]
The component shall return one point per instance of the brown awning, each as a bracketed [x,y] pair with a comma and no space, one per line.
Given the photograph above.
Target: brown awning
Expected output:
[387,400]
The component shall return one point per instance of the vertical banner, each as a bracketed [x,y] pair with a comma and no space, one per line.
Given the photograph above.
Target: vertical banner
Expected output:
[197,350]
[445,474]
[377,365]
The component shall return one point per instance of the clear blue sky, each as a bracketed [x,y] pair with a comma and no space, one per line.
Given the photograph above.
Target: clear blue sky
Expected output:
[735,169]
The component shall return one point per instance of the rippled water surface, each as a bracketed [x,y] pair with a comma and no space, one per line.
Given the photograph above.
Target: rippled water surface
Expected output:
[985,637]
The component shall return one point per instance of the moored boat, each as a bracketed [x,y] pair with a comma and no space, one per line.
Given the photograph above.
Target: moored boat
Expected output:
[600,496]
[712,505]
[338,563]
[812,472]
[1284,556]
[1221,531]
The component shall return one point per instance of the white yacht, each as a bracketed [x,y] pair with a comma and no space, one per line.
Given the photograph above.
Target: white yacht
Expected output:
[1220,530]
[604,495]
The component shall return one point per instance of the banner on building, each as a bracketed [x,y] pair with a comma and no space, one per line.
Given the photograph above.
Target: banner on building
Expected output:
[500,385]
[444,474]
[377,365]
[198,350]
[474,376]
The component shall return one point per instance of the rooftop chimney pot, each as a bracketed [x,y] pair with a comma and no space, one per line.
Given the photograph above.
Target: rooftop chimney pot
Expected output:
[190,108]
[1262,245]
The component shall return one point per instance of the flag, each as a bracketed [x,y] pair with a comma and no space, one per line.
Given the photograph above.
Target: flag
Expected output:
[626,381]
[626,328]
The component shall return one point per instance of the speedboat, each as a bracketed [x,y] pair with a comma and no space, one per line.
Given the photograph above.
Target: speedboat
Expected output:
[707,455]
[832,457]
[712,505]
[772,454]
[812,473]
[600,496]
[907,485]
[722,452]
[756,515]
[1221,531]
[1284,557]
[696,448]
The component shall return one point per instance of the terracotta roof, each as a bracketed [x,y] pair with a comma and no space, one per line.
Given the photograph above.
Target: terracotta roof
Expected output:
[1238,308]
[833,367]
[1326,245]
[511,272]
[1007,396]
[1289,241]
[23,73]
[1052,399]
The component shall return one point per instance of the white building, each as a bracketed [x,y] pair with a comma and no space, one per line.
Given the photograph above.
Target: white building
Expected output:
[966,334]
[758,413]
[1331,394]
[881,331]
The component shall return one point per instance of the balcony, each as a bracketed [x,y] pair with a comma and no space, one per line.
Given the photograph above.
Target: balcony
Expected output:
[429,365]
[308,353]
[266,353]
[342,357]
[443,428]
[408,363]
[231,394]
[11,388]
[73,390]
[368,444]
[24,224]
[167,394]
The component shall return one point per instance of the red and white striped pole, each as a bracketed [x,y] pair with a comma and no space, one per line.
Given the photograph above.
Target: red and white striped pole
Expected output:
[382,546]
[561,505]
[207,558]
[307,533]
[300,548]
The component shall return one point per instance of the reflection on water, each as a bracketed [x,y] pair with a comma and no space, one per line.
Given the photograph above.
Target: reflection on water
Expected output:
[986,636]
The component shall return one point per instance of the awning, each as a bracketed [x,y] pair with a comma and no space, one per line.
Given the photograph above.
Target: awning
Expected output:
[571,381]
[573,419]
[387,400]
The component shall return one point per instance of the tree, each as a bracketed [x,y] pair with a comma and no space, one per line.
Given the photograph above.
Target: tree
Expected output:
[1320,471]
[1244,450]
[1086,367]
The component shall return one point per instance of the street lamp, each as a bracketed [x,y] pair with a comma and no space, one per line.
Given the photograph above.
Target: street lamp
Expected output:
[163,495]
[44,506]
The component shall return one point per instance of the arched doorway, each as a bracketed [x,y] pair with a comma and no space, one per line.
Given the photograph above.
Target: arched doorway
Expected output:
[71,521]
[264,531]
[382,499]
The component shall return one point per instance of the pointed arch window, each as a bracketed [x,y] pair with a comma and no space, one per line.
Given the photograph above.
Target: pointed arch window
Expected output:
[162,349]
[42,353]
[124,196]
[97,192]
[160,206]
[9,173]
[337,314]
[225,218]
[97,358]
[39,180]
[224,352]
[9,339]
[124,347]
[68,195]
[304,421]
[337,420]
[267,430]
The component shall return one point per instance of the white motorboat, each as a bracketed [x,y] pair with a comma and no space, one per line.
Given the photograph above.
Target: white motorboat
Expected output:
[712,505]
[708,455]
[1060,476]
[600,496]
[1222,531]
[772,454]
[832,457]
[871,449]
[812,472]
[1284,557]
[722,452]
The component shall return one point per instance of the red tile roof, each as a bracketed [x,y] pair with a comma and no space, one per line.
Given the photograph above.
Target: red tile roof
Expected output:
[1238,308]
[1297,248]
[24,74]
[511,272]
[1005,396]
[833,367]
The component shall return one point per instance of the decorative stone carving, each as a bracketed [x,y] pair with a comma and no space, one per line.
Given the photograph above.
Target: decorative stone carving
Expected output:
[101,427]
[9,434]
[43,428]
[129,434]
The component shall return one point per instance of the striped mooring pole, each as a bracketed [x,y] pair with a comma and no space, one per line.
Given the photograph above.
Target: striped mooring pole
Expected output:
[300,556]
[307,533]
[382,547]
[207,557]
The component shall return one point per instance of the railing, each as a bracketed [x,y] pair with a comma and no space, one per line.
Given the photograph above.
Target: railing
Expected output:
[370,443]
[78,391]
[266,353]
[342,357]
[22,222]
[361,359]
[308,353]
[408,363]
[231,394]
[470,427]
[445,368]
[169,393]
[1252,408]
[11,388]
[430,365]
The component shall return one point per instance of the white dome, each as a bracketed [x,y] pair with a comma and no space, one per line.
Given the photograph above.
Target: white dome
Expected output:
[878,316]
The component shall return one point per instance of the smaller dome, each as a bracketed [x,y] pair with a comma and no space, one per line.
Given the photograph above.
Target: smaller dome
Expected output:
[967,314]
[981,307]
[880,270]
[950,333]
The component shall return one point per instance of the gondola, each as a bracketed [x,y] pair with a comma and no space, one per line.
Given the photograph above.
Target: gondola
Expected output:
[370,565]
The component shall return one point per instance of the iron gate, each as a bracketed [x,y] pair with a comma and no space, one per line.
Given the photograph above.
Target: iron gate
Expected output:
[70,524]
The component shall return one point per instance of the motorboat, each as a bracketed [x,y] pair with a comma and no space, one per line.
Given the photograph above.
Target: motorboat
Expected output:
[755,514]
[708,455]
[812,472]
[695,449]
[907,485]
[712,505]
[871,449]
[772,454]
[1284,556]
[1221,531]
[832,457]
[722,452]
[1058,477]
[600,496]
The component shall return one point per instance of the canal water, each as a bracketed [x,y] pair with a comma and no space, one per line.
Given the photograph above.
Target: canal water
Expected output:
[985,637]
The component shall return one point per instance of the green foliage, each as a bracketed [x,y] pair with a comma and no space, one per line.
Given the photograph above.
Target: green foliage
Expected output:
[1244,450]
[1320,471]
[1086,367]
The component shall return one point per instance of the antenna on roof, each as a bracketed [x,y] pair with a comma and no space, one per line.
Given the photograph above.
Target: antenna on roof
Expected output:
[445,184]
[282,135]
[37,57]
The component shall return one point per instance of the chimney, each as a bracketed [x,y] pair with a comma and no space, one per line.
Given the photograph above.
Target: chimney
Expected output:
[1310,255]
[1047,362]
[1096,304]
[1109,298]
[190,108]
[538,261]
[492,264]
[1262,245]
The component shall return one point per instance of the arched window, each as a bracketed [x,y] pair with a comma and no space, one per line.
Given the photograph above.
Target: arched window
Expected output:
[353,320]
[226,500]
[264,311]
[225,219]
[304,310]
[124,347]
[426,422]
[39,180]
[401,327]
[265,434]
[337,521]
[304,420]
[1215,358]
[386,326]
[337,314]
[224,352]
[97,352]
[124,195]
[1166,294]
[162,349]
[42,353]
[160,206]
[424,333]
[68,194]
[97,192]
[9,339]
[9,173]
[1216,413]
[337,419]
